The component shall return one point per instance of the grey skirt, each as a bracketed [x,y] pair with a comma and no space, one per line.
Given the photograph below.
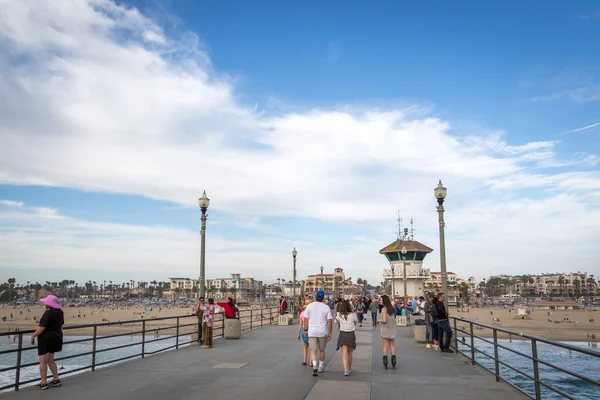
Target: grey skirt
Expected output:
[346,339]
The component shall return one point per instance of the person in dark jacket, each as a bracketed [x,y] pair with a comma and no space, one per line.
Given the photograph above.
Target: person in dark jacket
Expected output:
[443,324]
[434,325]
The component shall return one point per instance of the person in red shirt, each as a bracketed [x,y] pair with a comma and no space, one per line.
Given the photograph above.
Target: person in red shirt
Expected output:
[229,307]
[282,306]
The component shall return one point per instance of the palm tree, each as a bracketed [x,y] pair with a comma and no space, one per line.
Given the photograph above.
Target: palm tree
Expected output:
[11,285]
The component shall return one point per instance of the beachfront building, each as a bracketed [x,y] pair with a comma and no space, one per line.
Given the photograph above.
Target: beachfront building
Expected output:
[545,285]
[236,285]
[555,305]
[405,252]
[334,285]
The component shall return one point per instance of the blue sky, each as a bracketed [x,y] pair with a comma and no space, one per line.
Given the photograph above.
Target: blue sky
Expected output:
[308,125]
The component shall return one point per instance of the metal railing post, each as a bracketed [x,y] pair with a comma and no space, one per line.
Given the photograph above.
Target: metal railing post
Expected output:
[250,319]
[143,338]
[177,334]
[270,316]
[94,344]
[472,343]
[455,337]
[496,363]
[222,325]
[18,367]
[536,372]
[261,317]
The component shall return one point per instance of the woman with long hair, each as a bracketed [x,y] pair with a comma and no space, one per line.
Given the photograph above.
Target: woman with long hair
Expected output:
[346,318]
[388,331]
[50,341]
[208,318]
[302,335]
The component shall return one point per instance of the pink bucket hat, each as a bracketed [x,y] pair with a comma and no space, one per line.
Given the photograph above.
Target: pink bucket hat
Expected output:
[51,301]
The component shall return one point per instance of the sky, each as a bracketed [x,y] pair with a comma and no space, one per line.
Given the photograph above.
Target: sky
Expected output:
[308,124]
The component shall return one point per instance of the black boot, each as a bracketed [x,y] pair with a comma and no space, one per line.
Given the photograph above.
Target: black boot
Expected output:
[394,362]
[385,361]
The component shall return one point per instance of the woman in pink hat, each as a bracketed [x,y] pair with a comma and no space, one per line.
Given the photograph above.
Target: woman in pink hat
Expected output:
[50,340]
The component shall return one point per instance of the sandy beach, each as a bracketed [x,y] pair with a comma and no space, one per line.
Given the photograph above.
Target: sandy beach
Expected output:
[553,326]
[25,318]
[557,328]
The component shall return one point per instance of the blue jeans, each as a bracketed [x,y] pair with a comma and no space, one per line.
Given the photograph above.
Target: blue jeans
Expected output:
[374,316]
[444,326]
[428,333]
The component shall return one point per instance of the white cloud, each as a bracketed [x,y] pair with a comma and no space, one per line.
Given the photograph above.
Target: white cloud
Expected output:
[102,99]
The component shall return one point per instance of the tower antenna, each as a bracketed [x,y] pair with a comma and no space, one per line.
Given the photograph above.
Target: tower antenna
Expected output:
[399,234]
[412,229]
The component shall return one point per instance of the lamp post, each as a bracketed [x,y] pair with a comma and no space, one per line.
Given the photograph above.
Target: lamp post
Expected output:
[294,254]
[322,280]
[203,203]
[393,284]
[403,251]
[440,195]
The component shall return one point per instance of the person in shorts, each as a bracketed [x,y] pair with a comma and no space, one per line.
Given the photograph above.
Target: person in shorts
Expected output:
[318,322]
[50,341]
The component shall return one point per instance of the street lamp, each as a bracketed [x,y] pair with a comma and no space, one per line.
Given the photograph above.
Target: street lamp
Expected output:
[203,203]
[294,254]
[440,195]
[403,251]
[322,280]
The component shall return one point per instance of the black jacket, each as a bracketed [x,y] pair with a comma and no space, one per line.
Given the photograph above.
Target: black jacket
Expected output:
[441,312]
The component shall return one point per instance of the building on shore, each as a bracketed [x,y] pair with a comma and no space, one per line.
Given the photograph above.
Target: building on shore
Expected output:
[575,284]
[236,285]
[334,285]
[555,305]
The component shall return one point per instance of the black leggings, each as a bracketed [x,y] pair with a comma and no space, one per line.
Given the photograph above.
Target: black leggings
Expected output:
[434,329]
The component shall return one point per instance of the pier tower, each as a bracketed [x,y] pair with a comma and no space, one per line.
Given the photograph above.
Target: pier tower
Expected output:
[406,252]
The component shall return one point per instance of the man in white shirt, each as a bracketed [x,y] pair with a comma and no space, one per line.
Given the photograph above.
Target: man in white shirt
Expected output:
[318,322]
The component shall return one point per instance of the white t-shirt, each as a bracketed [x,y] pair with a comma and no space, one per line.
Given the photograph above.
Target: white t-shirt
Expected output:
[419,305]
[347,325]
[317,313]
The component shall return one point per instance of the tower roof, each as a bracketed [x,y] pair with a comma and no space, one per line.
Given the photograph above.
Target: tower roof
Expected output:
[411,245]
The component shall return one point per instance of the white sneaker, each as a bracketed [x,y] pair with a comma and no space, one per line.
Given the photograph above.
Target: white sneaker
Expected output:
[321,370]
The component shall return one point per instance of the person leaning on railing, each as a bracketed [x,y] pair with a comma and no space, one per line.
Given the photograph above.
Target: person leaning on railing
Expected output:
[230,310]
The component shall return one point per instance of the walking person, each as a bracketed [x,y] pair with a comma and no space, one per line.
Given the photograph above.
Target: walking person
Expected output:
[208,319]
[374,307]
[388,331]
[318,322]
[360,312]
[434,325]
[443,324]
[50,341]
[303,336]
[346,319]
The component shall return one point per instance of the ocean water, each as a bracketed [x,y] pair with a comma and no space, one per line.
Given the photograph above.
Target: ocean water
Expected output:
[585,365]
[30,356]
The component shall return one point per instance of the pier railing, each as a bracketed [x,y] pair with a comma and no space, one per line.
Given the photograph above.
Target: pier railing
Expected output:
[183,330]
[491,354]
